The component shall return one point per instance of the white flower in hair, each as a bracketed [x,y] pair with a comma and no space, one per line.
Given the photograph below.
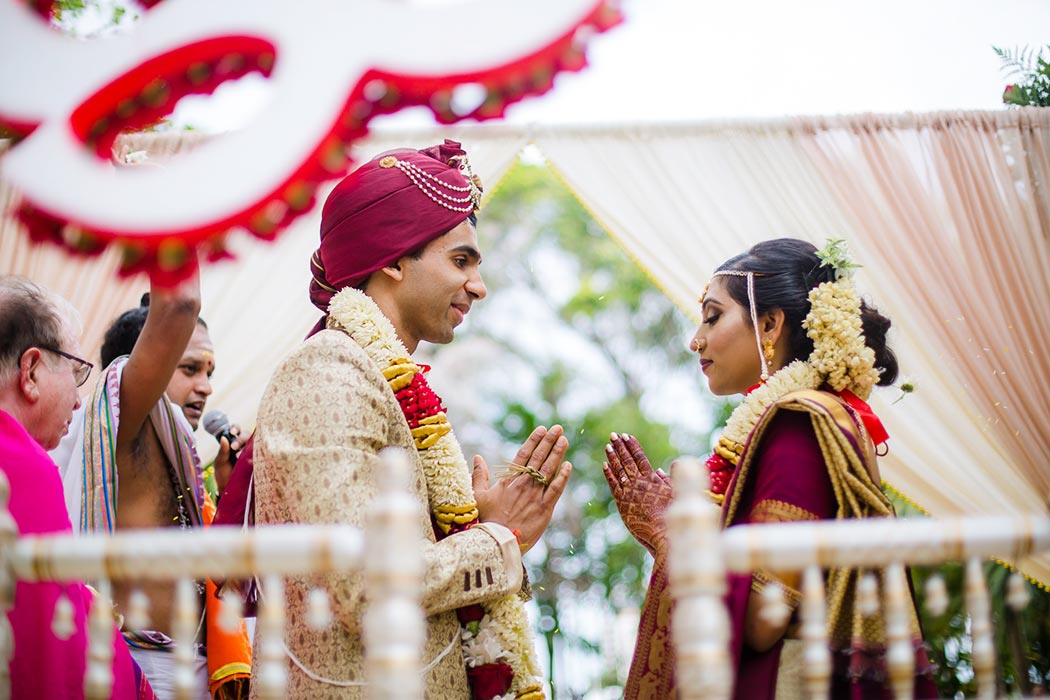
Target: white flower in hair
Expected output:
[834,325]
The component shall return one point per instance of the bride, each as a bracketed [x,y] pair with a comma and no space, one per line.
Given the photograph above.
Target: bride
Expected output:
[783,325]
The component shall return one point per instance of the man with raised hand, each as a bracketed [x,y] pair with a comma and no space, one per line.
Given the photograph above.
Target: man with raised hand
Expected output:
[132,463]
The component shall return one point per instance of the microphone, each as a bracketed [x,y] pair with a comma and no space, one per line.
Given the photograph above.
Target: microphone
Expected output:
[217,424]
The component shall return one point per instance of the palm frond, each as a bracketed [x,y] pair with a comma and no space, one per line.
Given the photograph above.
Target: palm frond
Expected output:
[1032,71]
[1020,60]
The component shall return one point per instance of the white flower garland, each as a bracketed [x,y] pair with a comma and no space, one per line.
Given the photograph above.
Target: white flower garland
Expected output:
[795,376]
[839,350]
[504,634]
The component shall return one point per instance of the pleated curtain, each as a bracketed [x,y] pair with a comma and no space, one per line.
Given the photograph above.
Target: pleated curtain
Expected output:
[949,213]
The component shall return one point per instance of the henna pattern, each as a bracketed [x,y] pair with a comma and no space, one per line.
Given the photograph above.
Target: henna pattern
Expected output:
[642,495]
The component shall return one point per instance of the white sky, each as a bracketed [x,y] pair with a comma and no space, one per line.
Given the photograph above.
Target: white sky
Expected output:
[694,59]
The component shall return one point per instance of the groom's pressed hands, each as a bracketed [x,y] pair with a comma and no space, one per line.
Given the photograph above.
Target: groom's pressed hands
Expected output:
[524,502]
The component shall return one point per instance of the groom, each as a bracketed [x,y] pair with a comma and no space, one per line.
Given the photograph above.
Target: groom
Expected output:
[399,264]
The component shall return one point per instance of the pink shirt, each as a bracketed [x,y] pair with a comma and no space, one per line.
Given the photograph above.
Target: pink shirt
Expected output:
[43,665]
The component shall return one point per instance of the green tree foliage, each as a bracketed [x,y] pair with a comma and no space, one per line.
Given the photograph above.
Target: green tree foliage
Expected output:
[94,18]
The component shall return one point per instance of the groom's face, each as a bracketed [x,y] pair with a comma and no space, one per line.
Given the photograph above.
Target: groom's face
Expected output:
[439,286]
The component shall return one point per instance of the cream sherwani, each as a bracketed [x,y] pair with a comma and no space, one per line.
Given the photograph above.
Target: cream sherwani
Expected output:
[325,416]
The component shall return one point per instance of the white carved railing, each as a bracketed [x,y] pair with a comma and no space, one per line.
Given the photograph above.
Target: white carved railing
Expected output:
[387,551]
[388,554]
[701,555]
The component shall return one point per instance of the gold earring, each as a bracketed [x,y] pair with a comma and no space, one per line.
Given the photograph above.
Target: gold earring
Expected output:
[767,350]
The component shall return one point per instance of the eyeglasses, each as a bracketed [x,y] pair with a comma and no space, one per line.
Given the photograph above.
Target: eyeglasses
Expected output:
[81,368]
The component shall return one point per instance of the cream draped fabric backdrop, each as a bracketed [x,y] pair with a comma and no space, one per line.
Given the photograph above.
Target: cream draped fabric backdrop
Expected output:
[949,213]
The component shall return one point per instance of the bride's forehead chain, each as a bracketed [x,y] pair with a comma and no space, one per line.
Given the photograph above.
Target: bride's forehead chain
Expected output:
[750,275]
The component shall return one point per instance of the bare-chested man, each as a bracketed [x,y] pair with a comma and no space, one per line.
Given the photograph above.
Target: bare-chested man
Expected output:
[136,465]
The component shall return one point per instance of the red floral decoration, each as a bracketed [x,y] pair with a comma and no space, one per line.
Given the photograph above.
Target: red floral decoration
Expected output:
[489,681]
[720,472]
[150,91]
[418,400]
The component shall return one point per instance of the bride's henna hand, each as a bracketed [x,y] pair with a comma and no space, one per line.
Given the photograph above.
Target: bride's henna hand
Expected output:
[642,495]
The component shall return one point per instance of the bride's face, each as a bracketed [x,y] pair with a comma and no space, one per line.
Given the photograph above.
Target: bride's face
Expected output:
[726,343]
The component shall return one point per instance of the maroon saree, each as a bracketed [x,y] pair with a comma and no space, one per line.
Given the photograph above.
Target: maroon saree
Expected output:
[807,459]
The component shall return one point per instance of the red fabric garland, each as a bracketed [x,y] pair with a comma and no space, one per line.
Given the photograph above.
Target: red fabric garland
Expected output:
[418,400]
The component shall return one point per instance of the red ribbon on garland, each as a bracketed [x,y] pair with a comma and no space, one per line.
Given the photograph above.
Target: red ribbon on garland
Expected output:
[418,401]
[871,421]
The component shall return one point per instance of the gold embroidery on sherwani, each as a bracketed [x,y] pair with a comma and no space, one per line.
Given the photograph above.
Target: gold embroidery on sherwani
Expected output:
[503,635]
[322,419]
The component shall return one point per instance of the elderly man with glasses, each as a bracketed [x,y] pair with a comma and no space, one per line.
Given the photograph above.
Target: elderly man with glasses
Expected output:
[40,372]
[39,344]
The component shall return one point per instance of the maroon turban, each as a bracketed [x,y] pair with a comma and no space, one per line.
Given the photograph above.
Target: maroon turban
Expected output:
[392,205]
